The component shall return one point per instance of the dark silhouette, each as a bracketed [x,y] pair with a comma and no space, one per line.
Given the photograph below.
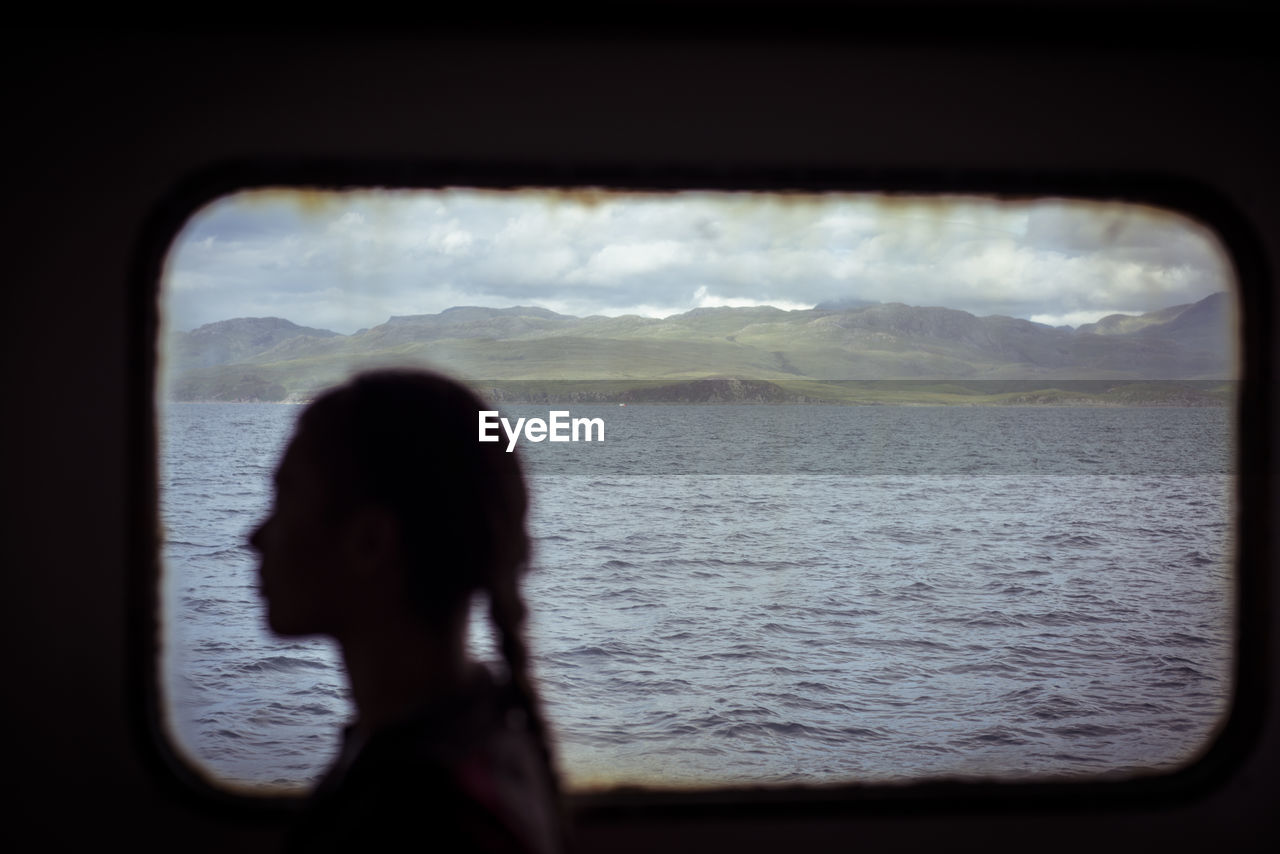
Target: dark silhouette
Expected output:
[389,516]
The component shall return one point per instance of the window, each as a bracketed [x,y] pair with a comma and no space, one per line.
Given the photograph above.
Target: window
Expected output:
[889,488]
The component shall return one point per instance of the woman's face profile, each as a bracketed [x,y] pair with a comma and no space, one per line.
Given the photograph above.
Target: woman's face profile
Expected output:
[300,547]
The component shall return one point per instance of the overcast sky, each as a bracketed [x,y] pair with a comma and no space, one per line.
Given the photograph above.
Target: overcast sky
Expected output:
[344,261]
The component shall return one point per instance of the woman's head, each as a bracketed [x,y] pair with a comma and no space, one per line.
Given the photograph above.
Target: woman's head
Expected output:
[401,447]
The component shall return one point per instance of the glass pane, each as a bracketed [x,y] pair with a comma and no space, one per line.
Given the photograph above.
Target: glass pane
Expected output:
[888,489]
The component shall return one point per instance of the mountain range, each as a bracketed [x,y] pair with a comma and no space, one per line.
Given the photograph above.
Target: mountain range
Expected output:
[847,352]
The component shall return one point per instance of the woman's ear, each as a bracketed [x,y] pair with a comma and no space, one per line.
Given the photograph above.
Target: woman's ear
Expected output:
[373,542]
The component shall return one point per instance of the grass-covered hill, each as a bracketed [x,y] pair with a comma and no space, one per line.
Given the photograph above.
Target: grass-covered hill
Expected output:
[861,354]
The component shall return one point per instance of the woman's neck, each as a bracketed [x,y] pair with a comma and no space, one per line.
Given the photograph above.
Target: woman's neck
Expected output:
[399,668]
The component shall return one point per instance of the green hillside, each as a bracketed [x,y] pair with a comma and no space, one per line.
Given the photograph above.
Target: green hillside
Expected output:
[873,354]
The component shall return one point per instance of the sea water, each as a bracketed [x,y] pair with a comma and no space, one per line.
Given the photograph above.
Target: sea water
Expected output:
[730,595]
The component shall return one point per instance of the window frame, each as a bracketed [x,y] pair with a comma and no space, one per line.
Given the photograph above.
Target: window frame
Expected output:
[930,797]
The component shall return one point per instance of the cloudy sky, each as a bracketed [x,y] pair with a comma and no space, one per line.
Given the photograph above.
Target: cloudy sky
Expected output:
[344,261]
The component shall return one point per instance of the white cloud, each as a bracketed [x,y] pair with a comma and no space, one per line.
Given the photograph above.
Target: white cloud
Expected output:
[350,260]
[1074,318]
[620,260]
[702,299]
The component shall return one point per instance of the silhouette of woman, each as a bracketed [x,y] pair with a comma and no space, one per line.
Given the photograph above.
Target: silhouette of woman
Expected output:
[389,516]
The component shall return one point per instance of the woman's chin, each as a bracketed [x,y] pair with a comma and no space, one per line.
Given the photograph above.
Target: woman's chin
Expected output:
[283,623]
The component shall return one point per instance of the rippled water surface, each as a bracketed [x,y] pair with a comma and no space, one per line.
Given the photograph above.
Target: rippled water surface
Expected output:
[824,594]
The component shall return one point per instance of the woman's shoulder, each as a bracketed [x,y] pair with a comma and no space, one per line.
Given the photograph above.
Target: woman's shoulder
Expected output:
[466,774]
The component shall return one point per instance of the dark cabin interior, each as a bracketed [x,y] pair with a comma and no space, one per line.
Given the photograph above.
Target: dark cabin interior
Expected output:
[110,135]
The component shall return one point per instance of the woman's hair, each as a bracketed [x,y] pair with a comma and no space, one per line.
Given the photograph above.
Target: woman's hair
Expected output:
[406,441]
